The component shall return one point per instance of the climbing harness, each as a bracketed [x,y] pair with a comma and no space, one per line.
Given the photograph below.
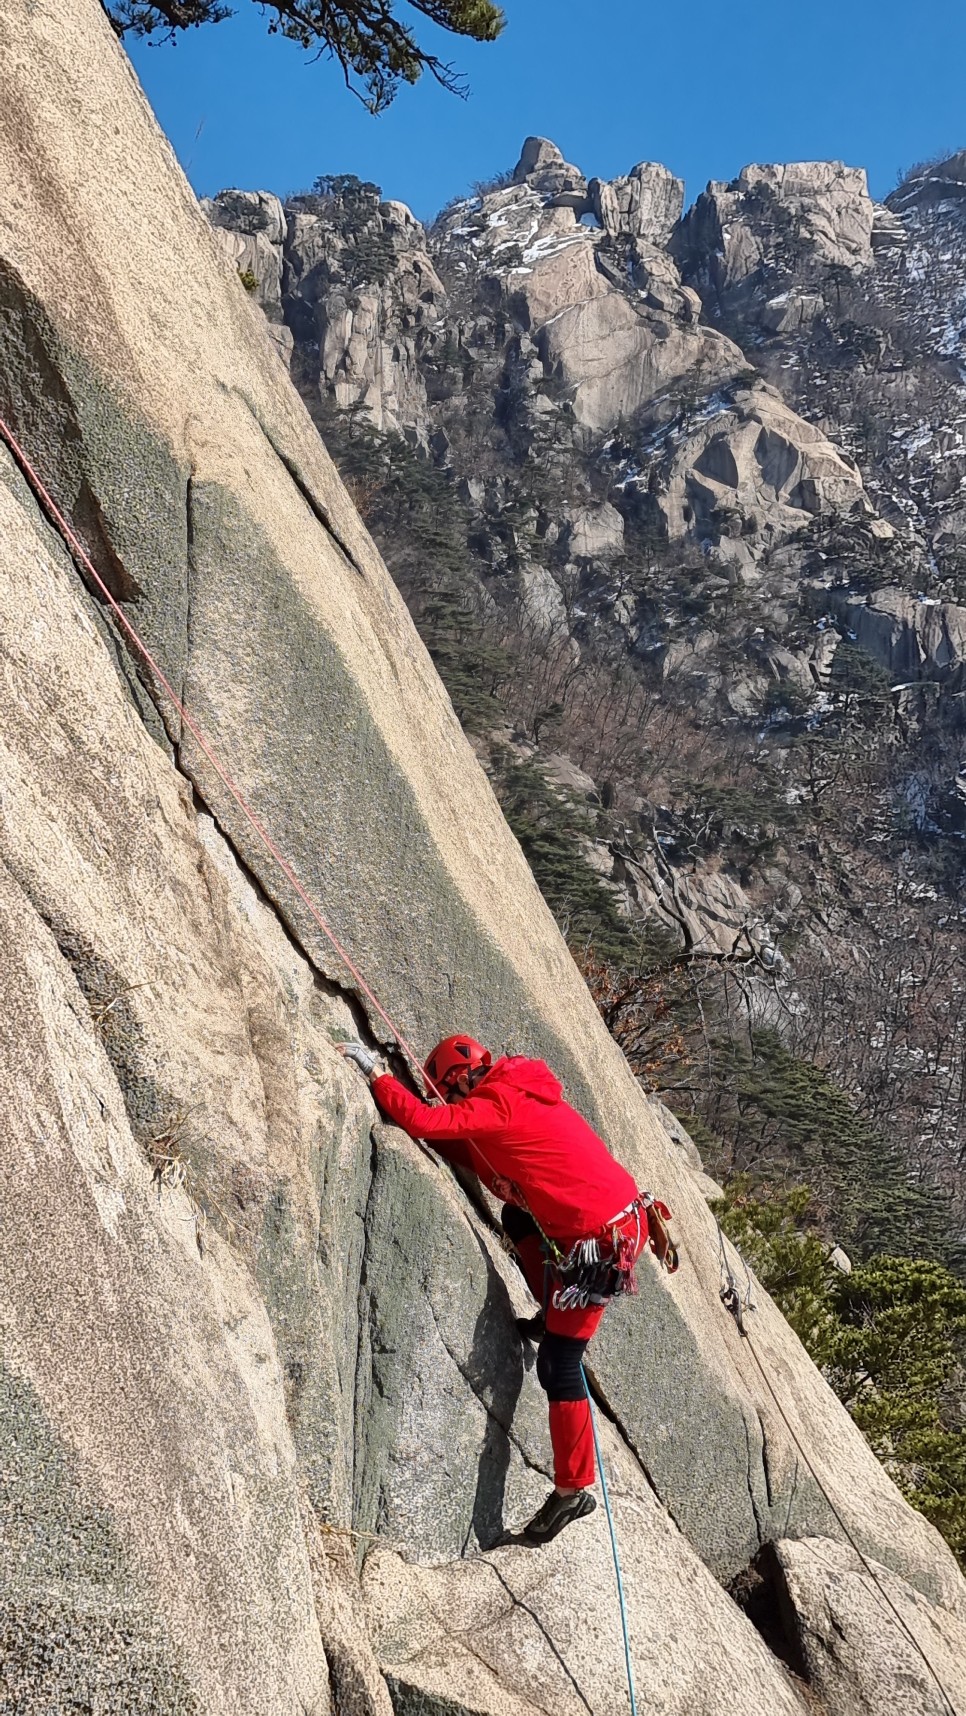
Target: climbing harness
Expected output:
[613,1546]
[737,1303]
[597,1269]
[600,1268]
[585,1277]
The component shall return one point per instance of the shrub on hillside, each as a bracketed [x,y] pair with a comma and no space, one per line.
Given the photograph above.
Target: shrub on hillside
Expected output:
[890,1339]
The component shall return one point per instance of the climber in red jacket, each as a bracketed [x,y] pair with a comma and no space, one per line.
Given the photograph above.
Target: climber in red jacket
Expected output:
[572,1214]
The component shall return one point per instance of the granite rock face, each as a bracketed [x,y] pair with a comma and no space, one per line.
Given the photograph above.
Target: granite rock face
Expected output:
[543,168]
[596,324]
[753,463]
[262,1408]
[358,295]
[728,239]
[645,203]
[913,637]
[251,227]
[611,332]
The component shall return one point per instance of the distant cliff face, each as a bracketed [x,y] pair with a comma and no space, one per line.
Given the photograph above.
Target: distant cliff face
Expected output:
[559,323]
[582,315]
[262,1411]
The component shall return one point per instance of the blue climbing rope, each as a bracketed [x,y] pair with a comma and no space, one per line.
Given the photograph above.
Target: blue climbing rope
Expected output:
[613,1545]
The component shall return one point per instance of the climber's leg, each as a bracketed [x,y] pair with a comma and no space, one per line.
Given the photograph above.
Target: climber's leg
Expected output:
[560,1370]
[571,1434]
[521,1230]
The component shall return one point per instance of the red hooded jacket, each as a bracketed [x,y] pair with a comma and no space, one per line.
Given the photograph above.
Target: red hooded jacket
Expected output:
[515,1125]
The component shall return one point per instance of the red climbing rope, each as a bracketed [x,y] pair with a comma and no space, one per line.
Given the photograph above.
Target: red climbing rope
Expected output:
[77,550]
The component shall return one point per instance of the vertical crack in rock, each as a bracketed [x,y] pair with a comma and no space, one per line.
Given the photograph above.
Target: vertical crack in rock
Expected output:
[70,426]
[600,1399]
[317,508]
[190,572]
[760,1592]
[792,1496]
[502,1423]
[365,1379]
[766,1460]
[761,1526]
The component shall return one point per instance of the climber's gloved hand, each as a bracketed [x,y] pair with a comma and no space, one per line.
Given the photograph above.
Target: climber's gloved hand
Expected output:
[366,1061]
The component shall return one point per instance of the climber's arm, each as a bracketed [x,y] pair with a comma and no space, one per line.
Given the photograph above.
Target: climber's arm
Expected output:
[482,1115]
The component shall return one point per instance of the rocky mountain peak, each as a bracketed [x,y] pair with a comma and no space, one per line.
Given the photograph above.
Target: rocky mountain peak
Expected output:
[542,166]
[736,233]
[933,182]
[645,203]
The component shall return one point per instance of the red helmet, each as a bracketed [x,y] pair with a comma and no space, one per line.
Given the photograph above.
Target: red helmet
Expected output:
[453,1056]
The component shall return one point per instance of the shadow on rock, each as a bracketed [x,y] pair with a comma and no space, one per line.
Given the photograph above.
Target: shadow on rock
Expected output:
[495,1370]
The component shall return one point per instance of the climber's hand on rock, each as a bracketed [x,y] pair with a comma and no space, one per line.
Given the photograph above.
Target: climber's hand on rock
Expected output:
[366,1061]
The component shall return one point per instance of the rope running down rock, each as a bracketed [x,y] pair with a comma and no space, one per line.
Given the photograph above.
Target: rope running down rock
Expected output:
[737,1304]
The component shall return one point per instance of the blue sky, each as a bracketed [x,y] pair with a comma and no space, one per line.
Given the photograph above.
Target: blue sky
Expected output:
[704,88]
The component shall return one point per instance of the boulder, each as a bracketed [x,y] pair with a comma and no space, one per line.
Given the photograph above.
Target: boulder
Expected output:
[595,532]
[563,772]
[850,1601]
[787,312]
[543,168]
[542,601]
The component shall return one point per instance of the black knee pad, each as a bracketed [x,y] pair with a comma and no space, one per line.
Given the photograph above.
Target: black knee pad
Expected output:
[558,1367]
[517,1223]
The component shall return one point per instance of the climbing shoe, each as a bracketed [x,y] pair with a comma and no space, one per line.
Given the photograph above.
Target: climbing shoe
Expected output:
[557,1511]
[531,1328]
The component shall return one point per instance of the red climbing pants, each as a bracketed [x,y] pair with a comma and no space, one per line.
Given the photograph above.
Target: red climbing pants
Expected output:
[560,1357]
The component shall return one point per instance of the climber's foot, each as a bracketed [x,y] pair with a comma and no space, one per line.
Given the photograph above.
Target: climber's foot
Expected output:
[531,1328]
[557,1511]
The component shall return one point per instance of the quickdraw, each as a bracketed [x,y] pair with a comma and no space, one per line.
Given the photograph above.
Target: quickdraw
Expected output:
[732,1298]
